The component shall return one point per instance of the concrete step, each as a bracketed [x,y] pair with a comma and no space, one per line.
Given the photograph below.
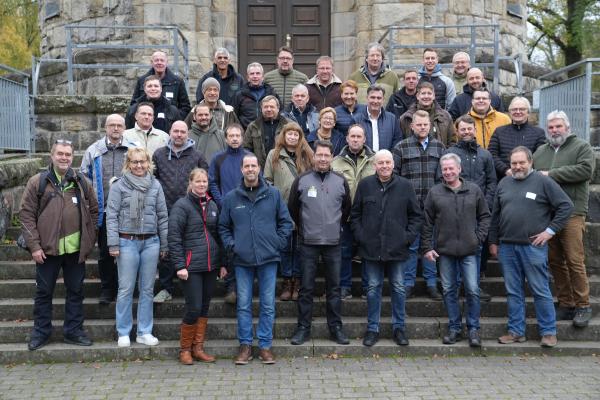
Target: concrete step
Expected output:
[227,349]
[355,327]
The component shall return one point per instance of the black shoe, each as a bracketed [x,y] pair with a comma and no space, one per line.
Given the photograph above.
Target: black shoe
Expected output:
[474,338]
[400,337]
[106,297]
[79,340]
[408,292]
[582,317]
[452,337]
[371,337]
[565,313]
[338,336]
[300,336]
[484,296]
[434,293]
[37,342]
[346,293]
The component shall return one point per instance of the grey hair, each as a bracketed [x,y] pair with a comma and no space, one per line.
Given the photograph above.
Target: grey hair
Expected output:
[255,65]
[559,114]
[450,156]
[324,58]
[519,98]
[222,50]
[383,153]
[522,149]
[377,46]
[299,87]
[461,53]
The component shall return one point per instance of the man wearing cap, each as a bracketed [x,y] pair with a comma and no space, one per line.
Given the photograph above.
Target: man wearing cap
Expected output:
[222,114]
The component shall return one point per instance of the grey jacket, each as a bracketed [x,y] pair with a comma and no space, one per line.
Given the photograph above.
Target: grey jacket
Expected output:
[208,143]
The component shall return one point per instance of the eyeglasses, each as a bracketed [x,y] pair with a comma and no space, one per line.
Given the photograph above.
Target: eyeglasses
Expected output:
[328,119]
[138,162]
[63,141]
[285,58]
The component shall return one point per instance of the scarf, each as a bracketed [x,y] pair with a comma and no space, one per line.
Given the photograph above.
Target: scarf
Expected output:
[140,185]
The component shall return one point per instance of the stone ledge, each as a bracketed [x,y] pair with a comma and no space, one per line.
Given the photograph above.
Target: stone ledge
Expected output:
[63,104]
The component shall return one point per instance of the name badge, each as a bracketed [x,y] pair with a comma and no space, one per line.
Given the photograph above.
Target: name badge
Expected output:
[312,192]
[531,196]
[160,115]
[169,95]
[74,200]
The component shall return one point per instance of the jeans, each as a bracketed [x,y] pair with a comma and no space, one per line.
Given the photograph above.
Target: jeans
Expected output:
[410,272]
[467,266]
[347,242]
[136,257]
[266,275]
[290,265]
[107,268]
[45,281]
[526,261]
[332,259]
[375,271]
[198,290]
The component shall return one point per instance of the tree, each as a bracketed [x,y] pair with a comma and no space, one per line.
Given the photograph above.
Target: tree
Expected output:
[20,33]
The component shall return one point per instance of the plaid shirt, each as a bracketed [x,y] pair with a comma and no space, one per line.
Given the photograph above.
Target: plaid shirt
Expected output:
[420,166]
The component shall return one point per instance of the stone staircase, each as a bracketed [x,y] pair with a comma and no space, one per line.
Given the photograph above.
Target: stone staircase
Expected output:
[426,323]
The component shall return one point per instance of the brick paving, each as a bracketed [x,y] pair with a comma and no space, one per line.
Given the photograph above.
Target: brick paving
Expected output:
[571,378]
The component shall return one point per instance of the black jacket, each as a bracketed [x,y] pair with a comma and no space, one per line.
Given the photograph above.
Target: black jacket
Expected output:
[194,242]
[229,85]
[165,113]
[464,101]
[173,88]
[400,102]
[507,137]
[246,106]
[385,219]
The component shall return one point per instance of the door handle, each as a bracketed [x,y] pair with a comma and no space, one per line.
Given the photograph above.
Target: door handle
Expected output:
[288,40]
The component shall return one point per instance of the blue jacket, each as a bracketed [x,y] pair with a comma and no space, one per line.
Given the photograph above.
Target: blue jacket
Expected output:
[345,119]
[388,126]
[225,172]
[254,232]
[338,140]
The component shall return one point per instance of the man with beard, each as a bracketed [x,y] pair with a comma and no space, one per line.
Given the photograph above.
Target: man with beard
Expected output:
[223,114]
[462,102]
[208,137]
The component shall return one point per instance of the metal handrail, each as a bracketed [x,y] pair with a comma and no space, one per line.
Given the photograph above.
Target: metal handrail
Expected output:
[552,74]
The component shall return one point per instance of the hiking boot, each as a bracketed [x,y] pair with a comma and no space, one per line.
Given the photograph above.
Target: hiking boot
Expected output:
[582,317]
[230,297]
[510,338]
[300,336]
[452,337]
[371,337]
[244,355]
[266,356]
[163,296]
[400,337]
[474,338]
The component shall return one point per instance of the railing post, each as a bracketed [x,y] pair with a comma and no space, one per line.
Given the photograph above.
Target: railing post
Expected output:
[473,46]
[69,43]
[176,48]
[496,31]
[186,64]
[587,92]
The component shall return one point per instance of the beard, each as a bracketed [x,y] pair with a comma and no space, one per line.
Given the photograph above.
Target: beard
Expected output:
[521,174]
[556,141]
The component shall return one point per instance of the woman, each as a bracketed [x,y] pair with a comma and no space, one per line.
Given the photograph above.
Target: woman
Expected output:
[349,109]
[195,252]
[290,157]
[326,131]
[136,221]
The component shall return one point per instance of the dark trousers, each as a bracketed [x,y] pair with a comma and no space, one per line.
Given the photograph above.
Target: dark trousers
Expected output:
[198,289]
[45,279]
[166,273]
[109,279]
[332,258]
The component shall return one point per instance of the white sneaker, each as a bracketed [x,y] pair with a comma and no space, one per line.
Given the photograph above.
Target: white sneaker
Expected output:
[147,339]
[123,341]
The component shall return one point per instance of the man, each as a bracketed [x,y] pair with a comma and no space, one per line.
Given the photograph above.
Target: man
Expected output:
[529,209]
[208,136]
[441,123]
[354,163]
[486,118]
[401,100]
[172,166]
[260,135]
[247,100]
[456,244]
[164,112]
[173,87]
[143,134]
[417,159]
[385,218]
[59,217]
[462,103]
[285,77]
[324,87]
[518,133]
[461,63]
[254,206]
[301,112]
[103,161]
[375,72]
[319,202]
[569,161]
[348,112]
[223,114]
[432,72]
[381,127]
[222,70]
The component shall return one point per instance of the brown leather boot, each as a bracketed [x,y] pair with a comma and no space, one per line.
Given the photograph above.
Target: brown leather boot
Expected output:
[198,345]
[185,343]
[286,293]
[295,288]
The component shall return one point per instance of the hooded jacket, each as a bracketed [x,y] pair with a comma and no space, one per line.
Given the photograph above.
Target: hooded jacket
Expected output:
[442,127]
[443,86]
[173,88]
[324,96]
[400,102]
[487,125]
[210,142]
[385,78]
[229,85]
[464,101]
[164,113]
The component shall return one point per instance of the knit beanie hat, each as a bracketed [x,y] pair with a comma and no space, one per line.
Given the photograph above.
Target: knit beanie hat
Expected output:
[209,82]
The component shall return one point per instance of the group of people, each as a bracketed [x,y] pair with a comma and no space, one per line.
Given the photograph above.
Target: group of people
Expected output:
[280,172]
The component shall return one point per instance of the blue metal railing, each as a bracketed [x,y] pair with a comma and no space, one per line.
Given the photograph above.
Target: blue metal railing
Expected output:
[16,111]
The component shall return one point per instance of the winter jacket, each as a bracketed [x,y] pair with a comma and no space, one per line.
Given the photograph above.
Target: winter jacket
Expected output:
[283,84]
[459,220]
[324,96]
[281,176]
[222,114]
[442,127]
[354,171]
[464,101]
[164,113]
[442,85]
[193,238]
[337,139]
[346,118]
[172,169]
[225,172]
[507,137]
[155,217]
[151,141]
[100,163]
[388,127]
[229,85]
[255,232]
[485,126]
[385,219]
[319,203]
[173,88]
[400,102]
[307,119]
[246,102]
[260,136]
[459,82]
[477,166]
[44,231]
[210,142]
[385,78]
[571,166]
